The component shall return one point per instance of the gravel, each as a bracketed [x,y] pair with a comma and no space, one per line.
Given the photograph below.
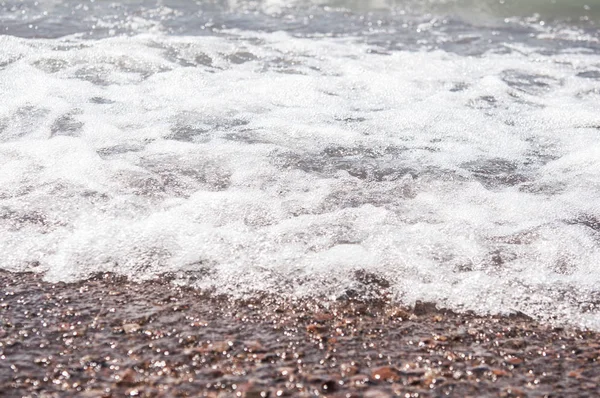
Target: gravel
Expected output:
[108,336]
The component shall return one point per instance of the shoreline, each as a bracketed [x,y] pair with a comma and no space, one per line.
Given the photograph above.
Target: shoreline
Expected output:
[108,336]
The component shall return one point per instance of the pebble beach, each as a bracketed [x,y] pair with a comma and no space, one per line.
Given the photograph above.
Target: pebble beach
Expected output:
[110,337]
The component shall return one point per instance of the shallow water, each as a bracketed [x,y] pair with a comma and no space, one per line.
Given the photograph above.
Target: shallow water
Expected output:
[450,148]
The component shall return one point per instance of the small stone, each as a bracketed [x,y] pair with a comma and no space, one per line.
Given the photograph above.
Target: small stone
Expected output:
[326,384]
[385,373]
[127,377]
[514,361]
[322,317]
[574,374]
[131,327]
[348,369]
[314,328]
[415,372]
[329,386]
[479,370]
[499,372]
[254,346]
[220,346]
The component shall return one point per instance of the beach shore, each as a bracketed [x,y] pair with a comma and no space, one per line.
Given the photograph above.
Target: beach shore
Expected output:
[108,336]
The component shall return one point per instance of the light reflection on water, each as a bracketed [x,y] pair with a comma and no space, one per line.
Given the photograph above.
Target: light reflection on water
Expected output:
[29,18]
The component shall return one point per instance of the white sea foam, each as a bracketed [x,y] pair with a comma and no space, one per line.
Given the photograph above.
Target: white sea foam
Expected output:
[253,161]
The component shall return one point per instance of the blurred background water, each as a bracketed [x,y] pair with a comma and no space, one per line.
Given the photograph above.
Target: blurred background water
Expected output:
[53,18]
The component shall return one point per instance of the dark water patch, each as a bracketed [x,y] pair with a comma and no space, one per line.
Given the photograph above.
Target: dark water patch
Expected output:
[485,103]
[109,71]
[189,133]
[141,183]
[184,54]
[499,258]
[182,179]
[587,220]
[16,220]
[5,61]
[287,64]
[461,266]
[377,51]
[517,97]
[67,125]
[244,136]
[388,195]
[361,169]
[589,126]
[195,127]
[119,149]
[541,151]
[595,92]
[530,83]
[241,57]
[94,196]
[458,87]
[590,74]
[99,75]
[51,65]
[131,65]
[351,119]
[542,188]
[525,237]
[189,127]
[564,266]
[364,151]
[67,45]
[24,121]
[496,172]
[364,163]
[101,101]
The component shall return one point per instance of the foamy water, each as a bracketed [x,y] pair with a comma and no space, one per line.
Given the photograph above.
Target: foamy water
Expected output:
[257,147]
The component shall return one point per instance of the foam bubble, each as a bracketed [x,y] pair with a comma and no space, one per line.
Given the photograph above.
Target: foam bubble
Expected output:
[250,161]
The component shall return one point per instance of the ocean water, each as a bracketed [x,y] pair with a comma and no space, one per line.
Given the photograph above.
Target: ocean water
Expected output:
[448,151]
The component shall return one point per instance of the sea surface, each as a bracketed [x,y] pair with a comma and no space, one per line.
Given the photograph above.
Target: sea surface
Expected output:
[446,151]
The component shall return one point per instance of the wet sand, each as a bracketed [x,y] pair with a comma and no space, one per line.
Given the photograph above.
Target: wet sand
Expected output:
[111,337]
